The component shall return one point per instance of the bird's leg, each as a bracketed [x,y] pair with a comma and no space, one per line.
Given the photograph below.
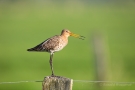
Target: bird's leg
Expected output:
[51,63]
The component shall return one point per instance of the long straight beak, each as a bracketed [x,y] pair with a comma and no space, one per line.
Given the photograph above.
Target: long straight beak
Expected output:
[77,36]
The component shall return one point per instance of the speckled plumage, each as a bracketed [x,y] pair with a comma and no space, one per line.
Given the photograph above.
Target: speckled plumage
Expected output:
[53,44]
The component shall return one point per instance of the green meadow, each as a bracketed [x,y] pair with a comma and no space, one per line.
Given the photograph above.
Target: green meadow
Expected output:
[24,24]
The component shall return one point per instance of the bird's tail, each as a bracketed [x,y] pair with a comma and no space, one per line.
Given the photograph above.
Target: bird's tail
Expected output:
[31,49]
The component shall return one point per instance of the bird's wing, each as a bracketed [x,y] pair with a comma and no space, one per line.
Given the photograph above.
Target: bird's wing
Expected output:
[51,43]
[47,45]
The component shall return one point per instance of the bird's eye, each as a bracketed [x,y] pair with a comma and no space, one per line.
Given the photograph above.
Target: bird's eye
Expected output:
[66,31]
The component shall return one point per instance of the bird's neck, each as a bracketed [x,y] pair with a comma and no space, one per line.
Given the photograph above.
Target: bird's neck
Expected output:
[64,37]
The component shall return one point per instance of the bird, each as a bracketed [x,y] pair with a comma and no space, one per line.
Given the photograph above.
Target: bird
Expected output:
[54,44]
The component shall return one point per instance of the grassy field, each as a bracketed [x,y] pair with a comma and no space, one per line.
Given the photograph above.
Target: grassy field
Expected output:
[25,24]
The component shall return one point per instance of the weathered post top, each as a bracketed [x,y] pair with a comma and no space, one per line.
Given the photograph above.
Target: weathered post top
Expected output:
[57,83]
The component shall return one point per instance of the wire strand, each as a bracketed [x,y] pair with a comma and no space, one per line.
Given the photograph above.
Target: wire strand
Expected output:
[83,81]
[18,82]
[87,81]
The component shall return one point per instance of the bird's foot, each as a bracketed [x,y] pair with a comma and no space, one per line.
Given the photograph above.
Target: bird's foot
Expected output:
[53,75]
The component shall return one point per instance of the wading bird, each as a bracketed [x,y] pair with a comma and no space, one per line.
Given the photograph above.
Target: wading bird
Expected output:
[55,43]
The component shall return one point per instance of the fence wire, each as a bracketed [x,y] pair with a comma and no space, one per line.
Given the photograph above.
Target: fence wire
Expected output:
[83,81]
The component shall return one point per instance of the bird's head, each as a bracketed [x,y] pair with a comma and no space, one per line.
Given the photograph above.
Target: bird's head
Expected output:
[67,33]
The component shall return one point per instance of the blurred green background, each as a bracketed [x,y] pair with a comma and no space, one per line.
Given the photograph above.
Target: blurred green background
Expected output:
[26,23]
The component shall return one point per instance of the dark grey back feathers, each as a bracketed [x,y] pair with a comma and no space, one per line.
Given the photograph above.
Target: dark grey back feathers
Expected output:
[47,45]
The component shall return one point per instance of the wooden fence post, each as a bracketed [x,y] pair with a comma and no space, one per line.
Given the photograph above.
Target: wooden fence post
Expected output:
[100,52]
[57,83]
